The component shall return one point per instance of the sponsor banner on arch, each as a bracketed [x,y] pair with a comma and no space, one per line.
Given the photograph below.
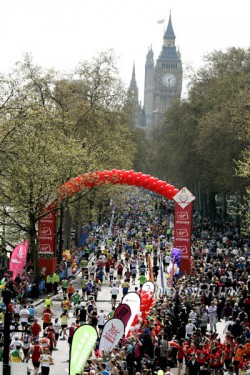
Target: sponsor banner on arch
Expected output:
[183,222]
[47,231]
[113,331]
[83,342]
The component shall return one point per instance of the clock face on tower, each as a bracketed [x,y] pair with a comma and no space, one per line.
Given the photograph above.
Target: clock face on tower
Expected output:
[169,80]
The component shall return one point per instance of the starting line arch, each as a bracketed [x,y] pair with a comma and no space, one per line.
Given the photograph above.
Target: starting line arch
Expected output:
[122,177]
[47,224]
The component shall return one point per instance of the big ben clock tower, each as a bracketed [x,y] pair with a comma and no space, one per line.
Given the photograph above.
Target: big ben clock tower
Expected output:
[163,87]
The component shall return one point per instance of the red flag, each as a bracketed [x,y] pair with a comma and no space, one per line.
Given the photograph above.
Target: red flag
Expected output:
[18,258]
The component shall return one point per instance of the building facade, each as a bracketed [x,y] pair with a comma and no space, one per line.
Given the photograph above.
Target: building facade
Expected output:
[162,83]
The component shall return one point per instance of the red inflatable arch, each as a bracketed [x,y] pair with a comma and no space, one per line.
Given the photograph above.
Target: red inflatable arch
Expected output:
[122,177]
[91,179]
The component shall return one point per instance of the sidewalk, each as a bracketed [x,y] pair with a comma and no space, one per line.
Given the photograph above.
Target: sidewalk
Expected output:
[41,299]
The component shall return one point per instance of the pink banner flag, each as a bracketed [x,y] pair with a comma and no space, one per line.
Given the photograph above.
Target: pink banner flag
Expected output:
[18,258]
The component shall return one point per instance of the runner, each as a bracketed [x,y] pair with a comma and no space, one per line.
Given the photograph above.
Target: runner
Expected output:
[35,329]
[114,293]
[64,323]
[46,360]
[35,353]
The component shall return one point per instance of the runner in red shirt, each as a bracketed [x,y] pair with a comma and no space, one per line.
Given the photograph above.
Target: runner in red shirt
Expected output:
[243,365]
[107,267]
[247,349]
[52,340]
[158,327]
[229,340]
[119,271]
[35,330]
[112,262]
[228,355]
[180,355]
[215,361]
[35,351]
[190,348]
[202,355]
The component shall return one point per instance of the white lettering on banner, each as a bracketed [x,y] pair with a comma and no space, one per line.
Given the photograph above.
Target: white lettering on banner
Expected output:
[50,238]
[84,348]
[46,221]
[182,215]
[44,248]
[182,239]
[182,232]
[21,252]
[45,231]
[182,222]
[183,249]
[49,216]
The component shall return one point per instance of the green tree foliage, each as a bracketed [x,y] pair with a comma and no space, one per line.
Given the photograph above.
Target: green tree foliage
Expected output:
[204,135]
[93,98]
[241,117]
[53,128]
[38,156]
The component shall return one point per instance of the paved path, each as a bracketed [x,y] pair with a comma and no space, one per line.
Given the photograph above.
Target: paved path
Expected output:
[61,356]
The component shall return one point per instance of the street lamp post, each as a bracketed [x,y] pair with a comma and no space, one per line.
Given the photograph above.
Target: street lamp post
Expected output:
[6,294]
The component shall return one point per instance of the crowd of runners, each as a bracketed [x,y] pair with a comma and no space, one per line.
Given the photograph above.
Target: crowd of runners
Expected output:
[181,332]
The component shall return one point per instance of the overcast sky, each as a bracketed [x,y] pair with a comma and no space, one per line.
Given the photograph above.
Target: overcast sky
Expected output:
[60,33]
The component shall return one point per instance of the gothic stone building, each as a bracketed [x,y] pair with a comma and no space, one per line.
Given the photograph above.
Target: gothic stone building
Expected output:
[162,84]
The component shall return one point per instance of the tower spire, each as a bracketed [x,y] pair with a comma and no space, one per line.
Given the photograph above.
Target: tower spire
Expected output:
[169,33]
[133,85]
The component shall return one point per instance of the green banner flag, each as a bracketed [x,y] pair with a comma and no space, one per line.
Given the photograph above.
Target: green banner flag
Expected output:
[83,342]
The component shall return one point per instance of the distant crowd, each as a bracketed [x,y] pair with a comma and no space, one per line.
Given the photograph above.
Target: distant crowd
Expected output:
[181,330]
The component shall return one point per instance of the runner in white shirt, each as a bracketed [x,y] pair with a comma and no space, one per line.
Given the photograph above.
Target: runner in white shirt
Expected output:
[16,342]
[101,320]
[114,293]
[115,282]
[24,316]
[132,263]
[92,270]
[167,260]
[56,327]
[17,310]
[190,328]
[102,257]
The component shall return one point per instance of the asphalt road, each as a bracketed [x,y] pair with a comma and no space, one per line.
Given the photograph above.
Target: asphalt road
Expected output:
[61,356]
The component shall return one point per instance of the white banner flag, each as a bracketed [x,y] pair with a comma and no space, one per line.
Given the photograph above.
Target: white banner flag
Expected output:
[149,287]
[133,300]
[113,331]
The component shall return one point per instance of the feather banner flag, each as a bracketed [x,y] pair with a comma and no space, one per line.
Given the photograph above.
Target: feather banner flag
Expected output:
[83,342]
[112,332]
[18,258]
